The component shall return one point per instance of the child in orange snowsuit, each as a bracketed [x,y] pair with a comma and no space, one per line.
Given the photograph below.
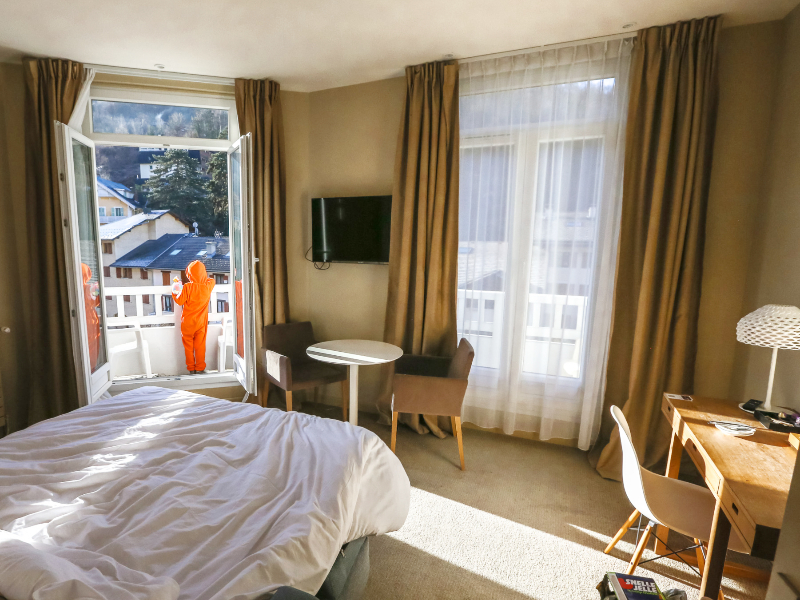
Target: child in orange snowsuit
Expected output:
[194,298]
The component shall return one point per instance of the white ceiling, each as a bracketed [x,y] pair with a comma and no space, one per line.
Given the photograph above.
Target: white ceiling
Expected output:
[309,45]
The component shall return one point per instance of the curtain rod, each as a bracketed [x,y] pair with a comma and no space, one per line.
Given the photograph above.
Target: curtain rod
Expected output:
[171,75]
[602,38]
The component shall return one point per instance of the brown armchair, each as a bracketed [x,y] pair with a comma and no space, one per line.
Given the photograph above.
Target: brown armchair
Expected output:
[295,369]
[432,385]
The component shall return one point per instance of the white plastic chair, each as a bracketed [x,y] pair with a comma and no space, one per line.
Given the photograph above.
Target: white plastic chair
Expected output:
[224,341]
[139,344]
[678,505]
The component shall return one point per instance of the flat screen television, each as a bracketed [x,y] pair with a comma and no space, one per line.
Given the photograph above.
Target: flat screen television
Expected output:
[354,229]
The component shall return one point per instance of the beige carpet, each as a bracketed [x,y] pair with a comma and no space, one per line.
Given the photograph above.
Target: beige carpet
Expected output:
[525,520]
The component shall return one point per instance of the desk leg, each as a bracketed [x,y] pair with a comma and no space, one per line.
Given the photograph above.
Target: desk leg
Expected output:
[673,468]
[715,560]
[353,376]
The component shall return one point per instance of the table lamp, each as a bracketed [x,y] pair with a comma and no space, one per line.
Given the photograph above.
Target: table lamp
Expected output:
[772,326]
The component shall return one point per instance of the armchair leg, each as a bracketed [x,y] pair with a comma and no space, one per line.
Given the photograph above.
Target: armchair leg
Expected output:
[263,392]
[394,431]
[288,401]
[456,422]
[622,531]
[345,398]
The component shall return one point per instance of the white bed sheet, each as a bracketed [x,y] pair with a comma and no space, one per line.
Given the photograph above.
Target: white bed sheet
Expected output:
[157,494]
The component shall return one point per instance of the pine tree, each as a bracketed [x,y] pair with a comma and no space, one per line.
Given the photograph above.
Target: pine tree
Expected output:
[217,190]
[177,184]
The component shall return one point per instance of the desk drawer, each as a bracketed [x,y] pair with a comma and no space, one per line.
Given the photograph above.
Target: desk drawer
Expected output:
[707,470]
[737,517]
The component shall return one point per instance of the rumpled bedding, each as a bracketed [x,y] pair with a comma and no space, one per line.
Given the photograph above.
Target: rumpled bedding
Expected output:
[157,494]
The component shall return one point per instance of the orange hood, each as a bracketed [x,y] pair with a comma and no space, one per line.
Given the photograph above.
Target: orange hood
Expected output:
[87,272]
[196,272]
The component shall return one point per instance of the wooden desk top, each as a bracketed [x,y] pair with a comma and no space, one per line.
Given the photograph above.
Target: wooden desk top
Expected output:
[751,476]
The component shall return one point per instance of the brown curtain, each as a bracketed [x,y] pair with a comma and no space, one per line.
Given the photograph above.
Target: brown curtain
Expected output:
[669,140]
[258,105]
[421,305]
[52,88]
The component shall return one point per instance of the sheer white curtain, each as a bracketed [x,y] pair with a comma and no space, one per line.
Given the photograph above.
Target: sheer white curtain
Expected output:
[542,136]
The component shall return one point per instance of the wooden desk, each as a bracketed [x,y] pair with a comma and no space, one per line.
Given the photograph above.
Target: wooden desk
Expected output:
[749,477]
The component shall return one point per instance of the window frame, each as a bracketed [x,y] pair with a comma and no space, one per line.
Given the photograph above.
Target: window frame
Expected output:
[143,94]
[116,93]
[525,149]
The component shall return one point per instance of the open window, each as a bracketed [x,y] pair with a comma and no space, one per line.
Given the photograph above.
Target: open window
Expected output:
[78,191]
[240,194]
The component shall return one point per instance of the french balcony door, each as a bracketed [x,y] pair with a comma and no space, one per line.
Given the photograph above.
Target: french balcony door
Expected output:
[240,197]
[78,192]
[77,171]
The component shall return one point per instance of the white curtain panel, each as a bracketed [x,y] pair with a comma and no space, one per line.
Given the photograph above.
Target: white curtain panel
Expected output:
[542,140]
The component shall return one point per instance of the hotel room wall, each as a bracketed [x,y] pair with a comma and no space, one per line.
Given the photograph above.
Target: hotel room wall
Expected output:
[13,245]
[348,136]
[774,274]
[748,73]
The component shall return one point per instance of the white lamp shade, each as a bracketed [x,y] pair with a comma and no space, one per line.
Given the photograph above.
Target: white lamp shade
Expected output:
[771,326]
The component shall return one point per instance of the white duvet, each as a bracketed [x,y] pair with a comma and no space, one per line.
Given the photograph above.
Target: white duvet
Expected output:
[157,495]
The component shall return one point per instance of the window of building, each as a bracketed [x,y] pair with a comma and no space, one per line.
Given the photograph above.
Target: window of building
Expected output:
[101,211]
[126,298]
[127,273]
[108,248]
[117,212]
[165,279]
[144,274]
[106,271]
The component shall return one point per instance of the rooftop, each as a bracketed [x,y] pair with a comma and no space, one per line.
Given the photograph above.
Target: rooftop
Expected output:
[111,231]
[145,253]
[192,248]
[174,252]
[106,187]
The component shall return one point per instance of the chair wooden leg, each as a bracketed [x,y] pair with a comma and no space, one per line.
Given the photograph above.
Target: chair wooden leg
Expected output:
[637,555]
[622,531]
[345,398]
[456,421]
[394,431]
[263,392]
[288,401]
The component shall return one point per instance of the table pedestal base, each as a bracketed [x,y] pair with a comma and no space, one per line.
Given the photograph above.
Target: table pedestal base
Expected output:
[352,375]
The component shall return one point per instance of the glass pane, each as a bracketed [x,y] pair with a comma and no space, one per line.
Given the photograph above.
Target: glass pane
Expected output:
[90,263]
[236,246]
[487,176]
[159,119]
[562,255]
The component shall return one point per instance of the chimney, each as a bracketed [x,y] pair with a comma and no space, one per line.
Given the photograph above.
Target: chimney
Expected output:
[211,249]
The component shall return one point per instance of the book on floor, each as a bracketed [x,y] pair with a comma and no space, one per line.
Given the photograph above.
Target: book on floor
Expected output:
[629,587]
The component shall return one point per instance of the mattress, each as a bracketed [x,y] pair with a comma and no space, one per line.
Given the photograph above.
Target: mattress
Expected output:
[157,494]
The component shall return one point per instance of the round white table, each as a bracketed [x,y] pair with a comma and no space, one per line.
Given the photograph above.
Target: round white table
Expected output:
[354,354]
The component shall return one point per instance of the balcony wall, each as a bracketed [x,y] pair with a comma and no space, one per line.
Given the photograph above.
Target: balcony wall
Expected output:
[161,331]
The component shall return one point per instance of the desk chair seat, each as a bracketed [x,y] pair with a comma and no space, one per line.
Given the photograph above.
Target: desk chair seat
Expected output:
[678,505]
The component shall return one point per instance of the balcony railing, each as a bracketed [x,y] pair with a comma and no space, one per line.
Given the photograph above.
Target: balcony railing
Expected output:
[160,329]
[554,330]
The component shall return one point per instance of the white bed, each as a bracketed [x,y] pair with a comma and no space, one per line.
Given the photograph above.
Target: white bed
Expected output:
[156,494]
